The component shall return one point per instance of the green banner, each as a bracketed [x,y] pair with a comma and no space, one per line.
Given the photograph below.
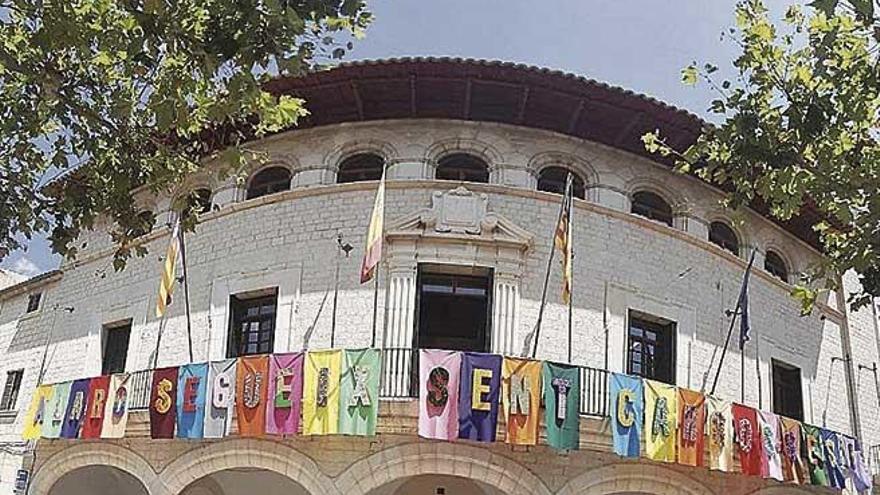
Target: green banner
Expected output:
[562,397]
[359,392]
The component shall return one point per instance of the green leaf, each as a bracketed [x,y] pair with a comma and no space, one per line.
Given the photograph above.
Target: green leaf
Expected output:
[689,75]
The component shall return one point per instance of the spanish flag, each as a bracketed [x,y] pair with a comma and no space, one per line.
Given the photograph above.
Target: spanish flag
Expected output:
[563,240]
[169,269]
[373,249]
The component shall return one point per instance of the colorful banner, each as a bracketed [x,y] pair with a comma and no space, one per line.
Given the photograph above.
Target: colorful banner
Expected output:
[832,459]
[163,396]
[36,412]
[792,460]
[116,408]
[94,421]
[55,410]
[285,393]
[320,403]
[521,396]
[719,423]
[439,373]
[192,392]
[861,474]
[562,397]
[75,412]
[627,408]
[359,392]
[771,461]
[478,399]
[250,395]
[692,420]
[661,411]
[748,439]
[815,455]
[221,398]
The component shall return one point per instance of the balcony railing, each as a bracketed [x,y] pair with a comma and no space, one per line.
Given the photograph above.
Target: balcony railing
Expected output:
[874,460]
[400,381]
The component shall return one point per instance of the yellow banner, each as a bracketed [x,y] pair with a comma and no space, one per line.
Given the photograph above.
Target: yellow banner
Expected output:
[320,402]
[661,421]
[521,396]
[36,413]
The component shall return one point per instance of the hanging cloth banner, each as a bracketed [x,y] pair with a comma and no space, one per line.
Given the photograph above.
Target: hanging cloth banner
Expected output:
[846,456]
[250,395]
[478,398]
[627,408]
[832,459]
[359,391]
[771,460]
[320,403]
[792,461]
[116,408]
[75,412]
[37,411]
[719,422]
[55,410]
[192,392]
[285,393]
[163,396]
[439,373]
[661,410]
[692,420]
[521,397]
[220,404]
[748,439]
[562,397]
[861,475]
[815,450]
[94,421]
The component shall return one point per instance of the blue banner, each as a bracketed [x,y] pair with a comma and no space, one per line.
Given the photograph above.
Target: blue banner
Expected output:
[478,400]
[627,411]
[833,459]
[191,393]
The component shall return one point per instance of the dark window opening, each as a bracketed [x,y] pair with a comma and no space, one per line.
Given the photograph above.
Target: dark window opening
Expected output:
[652,206]
[197,201]
[552,179]
[143,224]
[10,390]
[454,305]
[252,323]
[360,167]
[651,348]
[462,167]
[787,397]
[775,265]
[724,237]
[115,350]
[269,181]
[34,301]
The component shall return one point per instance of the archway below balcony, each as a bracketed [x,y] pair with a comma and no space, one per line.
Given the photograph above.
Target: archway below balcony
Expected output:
[432,484]
[244,481]
[75,469]
[633,479]
[89,480]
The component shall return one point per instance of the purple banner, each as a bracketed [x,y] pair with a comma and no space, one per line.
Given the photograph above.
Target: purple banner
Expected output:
[76,409]
[478,400]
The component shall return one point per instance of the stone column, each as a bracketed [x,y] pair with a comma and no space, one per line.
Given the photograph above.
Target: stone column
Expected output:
[398,335]
[505,313]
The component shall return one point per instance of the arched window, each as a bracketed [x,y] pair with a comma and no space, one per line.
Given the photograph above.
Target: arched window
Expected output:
[651,205]
[775,265]
[363,166]
[463,167]
[552,179]
[267,181]
[724,237]
[143,225]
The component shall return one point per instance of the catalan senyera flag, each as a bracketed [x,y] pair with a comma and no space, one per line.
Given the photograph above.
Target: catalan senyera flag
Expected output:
[169,272]
[373,248]
[562,240]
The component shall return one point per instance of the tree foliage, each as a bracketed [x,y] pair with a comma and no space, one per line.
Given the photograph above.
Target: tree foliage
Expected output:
[799,129]
[114,95]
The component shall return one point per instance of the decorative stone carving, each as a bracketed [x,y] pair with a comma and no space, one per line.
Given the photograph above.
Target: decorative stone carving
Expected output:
[458,211]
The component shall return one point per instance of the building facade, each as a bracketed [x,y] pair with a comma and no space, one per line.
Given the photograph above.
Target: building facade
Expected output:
[476,154]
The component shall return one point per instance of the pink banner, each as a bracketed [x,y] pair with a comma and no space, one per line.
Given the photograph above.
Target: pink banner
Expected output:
[439,373]
[284,393]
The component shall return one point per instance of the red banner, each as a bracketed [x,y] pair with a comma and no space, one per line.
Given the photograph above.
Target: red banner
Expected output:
[163,399]
[91,427]
[748,439]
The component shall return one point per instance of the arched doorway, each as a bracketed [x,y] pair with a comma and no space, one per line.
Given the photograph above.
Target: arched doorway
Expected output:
[244,481]
[90,480]
[436,484]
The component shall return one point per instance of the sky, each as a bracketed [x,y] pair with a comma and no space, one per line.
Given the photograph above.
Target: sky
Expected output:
[640,45]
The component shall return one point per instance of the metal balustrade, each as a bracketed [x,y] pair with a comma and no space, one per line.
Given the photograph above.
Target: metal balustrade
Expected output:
[139,389]
[874,459]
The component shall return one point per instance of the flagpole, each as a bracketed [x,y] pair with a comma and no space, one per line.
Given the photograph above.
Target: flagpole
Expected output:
[186,296]
[742,385]
[758,369]
[375,302]
[571,278]
[730,330]
[546,281]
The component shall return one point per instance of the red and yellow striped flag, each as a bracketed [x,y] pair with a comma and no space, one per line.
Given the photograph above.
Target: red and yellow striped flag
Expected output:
[169,271]
[562,240]
[373,248]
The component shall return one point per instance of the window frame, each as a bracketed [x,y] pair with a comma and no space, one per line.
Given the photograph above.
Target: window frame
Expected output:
[735,250]
[781,274]
[778,400]
[360,174]
[239,304]
[461,172]
[9,398]
[578,184]
[35,302]
[660,327]
[651,212]
[271,187]
[110,362]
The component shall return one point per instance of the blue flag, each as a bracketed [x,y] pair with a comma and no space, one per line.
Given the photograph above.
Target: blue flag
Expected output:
[833,459]
[191,393]
[745,322]
[627,410]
